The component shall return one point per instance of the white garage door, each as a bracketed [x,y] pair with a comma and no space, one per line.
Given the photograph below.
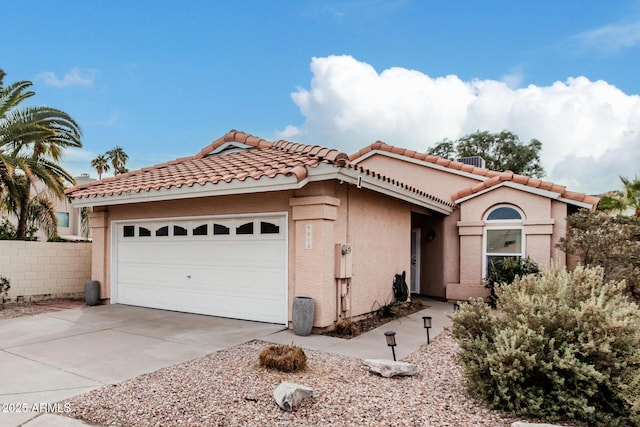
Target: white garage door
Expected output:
[224,266]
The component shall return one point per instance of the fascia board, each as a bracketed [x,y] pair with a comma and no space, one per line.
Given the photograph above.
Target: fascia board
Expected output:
[525,188]
[263,184]
[576,203]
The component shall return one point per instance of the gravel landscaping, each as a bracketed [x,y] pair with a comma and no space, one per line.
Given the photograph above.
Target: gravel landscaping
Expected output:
[12,310]
[229,388]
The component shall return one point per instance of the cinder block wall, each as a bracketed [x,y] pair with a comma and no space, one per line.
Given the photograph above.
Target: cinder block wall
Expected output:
[44,270]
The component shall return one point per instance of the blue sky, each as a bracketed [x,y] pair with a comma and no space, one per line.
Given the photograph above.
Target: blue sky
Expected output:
[163,79]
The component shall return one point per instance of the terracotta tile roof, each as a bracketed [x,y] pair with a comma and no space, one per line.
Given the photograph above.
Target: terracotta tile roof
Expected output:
[267,159]
[489,178]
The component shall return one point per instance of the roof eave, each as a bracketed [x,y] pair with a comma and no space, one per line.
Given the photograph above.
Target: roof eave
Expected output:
[355,177]
[528,189]
[263,184]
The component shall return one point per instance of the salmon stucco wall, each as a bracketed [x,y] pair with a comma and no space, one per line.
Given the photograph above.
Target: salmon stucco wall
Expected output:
[423,175]
[543,225]
[380,235]
[313,269]
[378,232]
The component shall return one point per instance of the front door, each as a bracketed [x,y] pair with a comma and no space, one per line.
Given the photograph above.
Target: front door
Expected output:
[415,260]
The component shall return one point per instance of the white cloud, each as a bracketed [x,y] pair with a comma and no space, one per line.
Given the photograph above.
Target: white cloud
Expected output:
[611,38]
[590,130]
[75,77]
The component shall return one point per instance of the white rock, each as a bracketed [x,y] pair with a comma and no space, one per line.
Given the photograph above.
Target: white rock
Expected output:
[288,395]
[390,368]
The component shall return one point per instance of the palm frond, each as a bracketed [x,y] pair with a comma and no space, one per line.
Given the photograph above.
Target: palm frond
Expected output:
[42,215]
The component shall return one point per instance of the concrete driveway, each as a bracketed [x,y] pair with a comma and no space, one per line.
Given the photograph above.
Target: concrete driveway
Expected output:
[49,357]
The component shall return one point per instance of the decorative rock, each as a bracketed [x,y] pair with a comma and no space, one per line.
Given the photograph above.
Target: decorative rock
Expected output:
[390,368]
[289,395]
[525,424]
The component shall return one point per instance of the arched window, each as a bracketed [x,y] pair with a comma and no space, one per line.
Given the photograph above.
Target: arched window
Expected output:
[504,213]
[503,235]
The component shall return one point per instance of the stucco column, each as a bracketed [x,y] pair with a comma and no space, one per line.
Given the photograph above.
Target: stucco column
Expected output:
[99,230]
[314,273]
[470,235]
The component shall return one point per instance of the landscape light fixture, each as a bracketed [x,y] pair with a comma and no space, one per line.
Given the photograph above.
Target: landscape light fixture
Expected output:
[391,342]
[427,325]
[456,307]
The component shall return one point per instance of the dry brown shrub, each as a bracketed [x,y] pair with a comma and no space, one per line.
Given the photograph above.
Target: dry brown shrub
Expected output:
[346,327]
[285,358]
[417,304]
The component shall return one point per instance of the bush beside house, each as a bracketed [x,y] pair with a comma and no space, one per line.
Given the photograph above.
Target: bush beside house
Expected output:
[561,345]
[611,242]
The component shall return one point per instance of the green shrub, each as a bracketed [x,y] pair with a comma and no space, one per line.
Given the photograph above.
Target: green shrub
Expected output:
[9,231]
[562,345]
[388,310]
[5,285]
[505,270]
[611,242]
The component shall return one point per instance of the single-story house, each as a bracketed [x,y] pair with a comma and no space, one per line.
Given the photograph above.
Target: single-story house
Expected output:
[246,225]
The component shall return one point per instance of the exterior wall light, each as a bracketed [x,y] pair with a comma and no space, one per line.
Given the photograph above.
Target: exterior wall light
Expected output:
[427,325]
[391,342]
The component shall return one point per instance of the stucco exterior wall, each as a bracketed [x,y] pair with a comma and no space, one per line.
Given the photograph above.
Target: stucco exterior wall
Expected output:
[380,235]
[543,225]
[423,176]
[560,213]
[378,230]
[44,270]
[313,268]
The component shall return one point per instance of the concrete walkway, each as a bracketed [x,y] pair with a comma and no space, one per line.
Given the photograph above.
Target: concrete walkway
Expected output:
[53,356]
[410,335]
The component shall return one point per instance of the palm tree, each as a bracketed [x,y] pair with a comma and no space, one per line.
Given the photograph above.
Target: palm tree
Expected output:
[118,159]
[32,140]
[621,200]
[40,210]
[100,164]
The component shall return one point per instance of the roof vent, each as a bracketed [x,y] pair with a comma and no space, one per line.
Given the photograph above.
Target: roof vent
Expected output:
[229,148]
[476,161]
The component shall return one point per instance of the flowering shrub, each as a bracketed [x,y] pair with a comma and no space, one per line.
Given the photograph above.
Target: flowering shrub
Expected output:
[561,345]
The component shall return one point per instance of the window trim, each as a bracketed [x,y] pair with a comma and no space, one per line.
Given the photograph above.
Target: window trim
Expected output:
[502,224]
[485,254]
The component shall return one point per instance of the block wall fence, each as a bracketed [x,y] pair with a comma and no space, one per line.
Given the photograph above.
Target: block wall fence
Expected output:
[44,270]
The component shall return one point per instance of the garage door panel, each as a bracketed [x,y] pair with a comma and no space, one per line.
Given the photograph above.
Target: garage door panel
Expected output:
[235,276]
